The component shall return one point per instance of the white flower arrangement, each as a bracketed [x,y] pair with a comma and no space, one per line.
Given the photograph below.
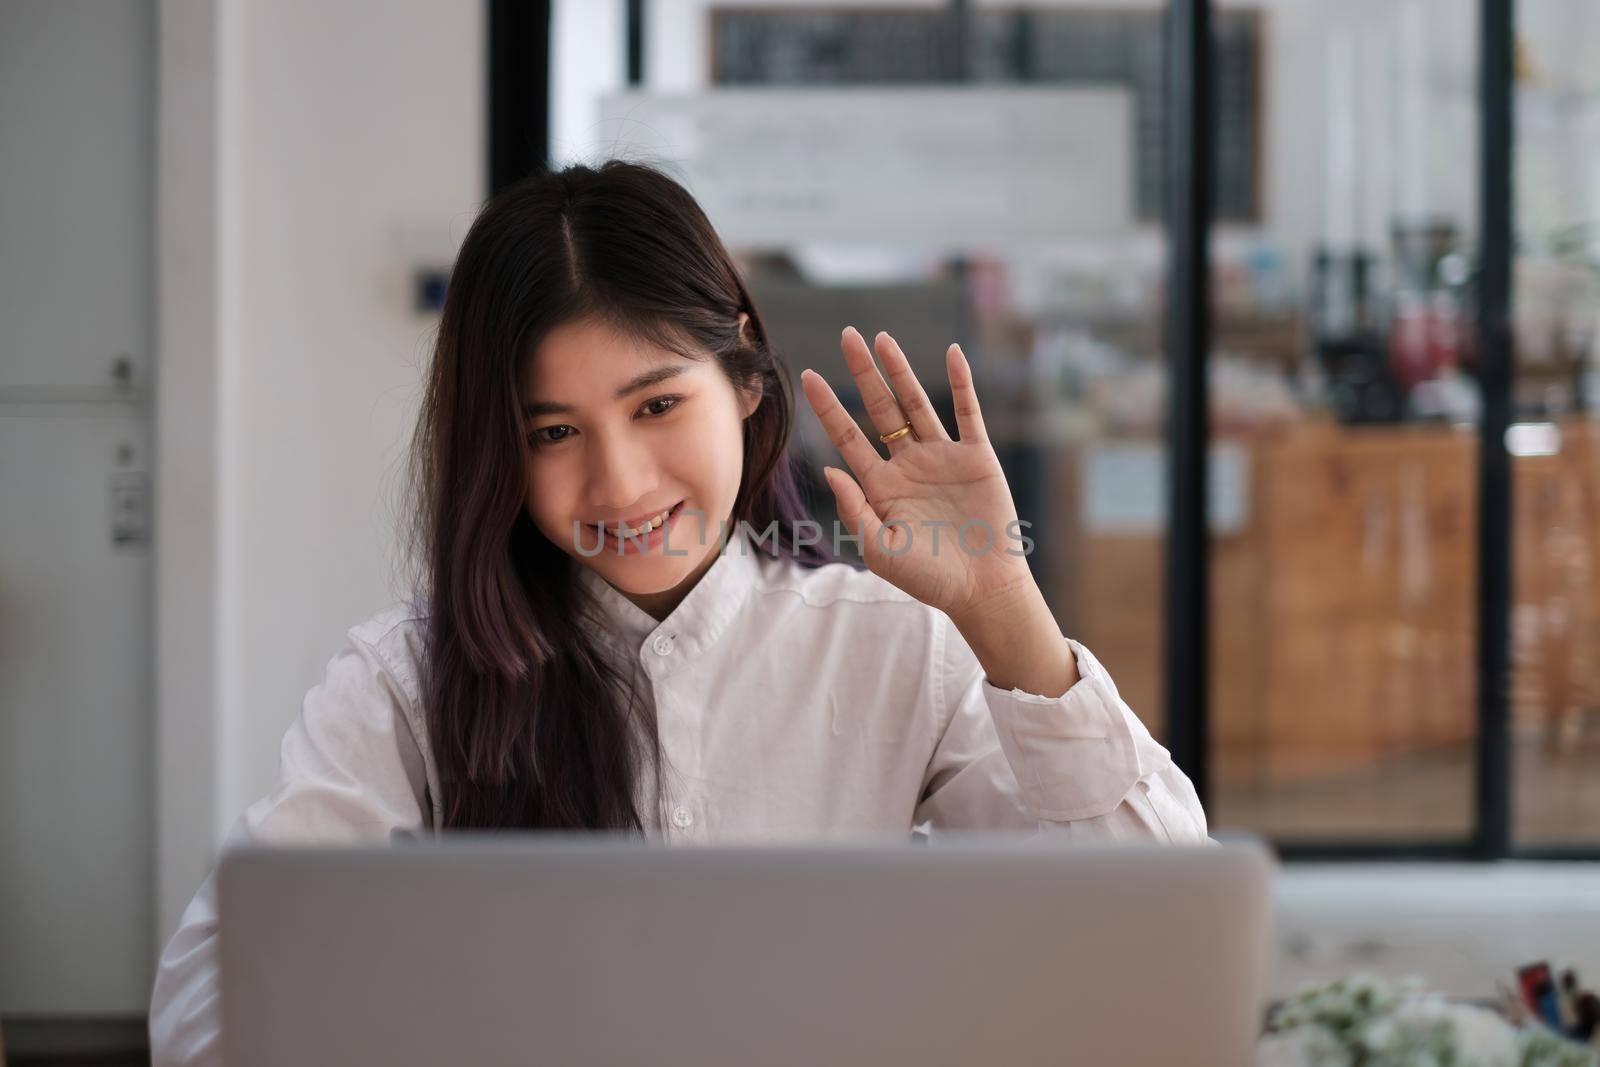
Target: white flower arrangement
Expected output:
[1366,1022]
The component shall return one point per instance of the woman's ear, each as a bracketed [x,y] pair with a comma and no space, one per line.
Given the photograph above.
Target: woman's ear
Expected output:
[750,397]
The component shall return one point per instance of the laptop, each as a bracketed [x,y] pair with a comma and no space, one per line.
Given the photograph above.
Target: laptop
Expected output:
[556,949]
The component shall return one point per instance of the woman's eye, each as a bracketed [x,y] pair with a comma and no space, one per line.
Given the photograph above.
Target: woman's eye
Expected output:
[670,402]
[540,436]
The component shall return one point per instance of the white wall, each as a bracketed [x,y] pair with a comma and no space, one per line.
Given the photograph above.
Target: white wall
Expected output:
[342,145]
[188,334]
[588,59]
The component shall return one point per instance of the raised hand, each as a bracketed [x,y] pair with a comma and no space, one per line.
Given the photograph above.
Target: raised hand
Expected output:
[936,518]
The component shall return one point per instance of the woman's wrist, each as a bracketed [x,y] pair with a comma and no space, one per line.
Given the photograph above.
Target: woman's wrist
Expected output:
[1019,644]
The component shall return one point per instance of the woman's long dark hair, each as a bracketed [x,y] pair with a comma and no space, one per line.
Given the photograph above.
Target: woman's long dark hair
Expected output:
[530,723]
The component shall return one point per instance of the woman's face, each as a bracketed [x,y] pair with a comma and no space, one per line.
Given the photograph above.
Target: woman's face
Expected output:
[620,431]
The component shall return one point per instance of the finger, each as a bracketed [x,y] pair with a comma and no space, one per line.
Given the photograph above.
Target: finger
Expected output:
[969,417]
[882,407]
[913,401]
[854,511]
[841,428]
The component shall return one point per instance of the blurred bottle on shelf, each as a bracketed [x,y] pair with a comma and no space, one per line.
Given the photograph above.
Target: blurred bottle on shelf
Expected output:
[1430,333]
[1349,345]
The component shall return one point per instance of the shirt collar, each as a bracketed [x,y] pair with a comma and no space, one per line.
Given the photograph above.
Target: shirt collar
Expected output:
[700,617]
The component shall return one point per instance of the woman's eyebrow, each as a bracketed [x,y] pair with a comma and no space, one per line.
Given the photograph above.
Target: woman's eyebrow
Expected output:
[651,377]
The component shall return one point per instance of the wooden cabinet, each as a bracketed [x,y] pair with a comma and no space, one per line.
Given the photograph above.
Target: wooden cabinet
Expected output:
[1556,619]
[1344,600]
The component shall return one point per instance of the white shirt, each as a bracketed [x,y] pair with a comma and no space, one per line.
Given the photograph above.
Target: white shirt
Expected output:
[791,704]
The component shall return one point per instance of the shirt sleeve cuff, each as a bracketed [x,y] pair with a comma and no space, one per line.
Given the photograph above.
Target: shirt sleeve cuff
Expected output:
[1075,756]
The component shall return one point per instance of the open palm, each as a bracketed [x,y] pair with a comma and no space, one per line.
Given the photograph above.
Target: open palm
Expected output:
[930,489]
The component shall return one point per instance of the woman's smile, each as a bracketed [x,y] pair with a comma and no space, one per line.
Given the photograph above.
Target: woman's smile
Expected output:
[639,535]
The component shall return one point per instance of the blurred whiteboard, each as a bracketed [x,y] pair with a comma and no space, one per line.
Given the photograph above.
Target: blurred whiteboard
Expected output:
[929,166]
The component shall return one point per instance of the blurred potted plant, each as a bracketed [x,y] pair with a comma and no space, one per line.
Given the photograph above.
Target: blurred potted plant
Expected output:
[1366,1022]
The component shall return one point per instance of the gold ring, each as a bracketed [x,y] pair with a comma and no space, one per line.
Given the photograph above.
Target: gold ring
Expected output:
[896,435]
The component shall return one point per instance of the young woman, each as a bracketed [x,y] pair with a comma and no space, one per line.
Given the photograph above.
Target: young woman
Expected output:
[600,370]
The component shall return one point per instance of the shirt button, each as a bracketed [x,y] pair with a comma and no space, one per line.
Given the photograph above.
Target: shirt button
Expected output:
[682,817]
[663,645]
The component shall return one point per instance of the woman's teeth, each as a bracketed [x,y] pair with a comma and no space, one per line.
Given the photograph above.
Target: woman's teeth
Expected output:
[634,531]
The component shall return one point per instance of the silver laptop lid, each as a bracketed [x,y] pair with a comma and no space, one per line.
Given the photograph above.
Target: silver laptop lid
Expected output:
[589,950]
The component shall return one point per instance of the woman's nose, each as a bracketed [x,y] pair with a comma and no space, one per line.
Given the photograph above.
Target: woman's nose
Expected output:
[622,473]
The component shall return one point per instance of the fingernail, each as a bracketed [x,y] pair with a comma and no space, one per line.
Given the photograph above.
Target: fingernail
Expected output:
[846,331]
